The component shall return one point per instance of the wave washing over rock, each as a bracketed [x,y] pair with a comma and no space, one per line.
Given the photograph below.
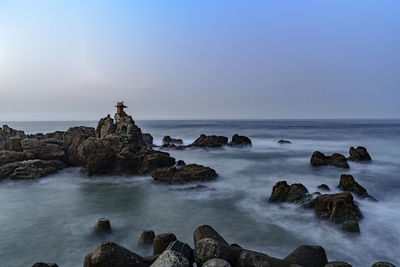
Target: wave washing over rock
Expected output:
[260,194]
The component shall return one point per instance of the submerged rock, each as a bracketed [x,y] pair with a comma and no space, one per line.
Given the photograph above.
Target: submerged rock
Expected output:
[310,256]
[210,141]
[337,207]
[102,226]
[12,156]
[30,169]
[347,183]
[282,141]
[240,140]
[324,187]
[351,226]
[295,193]
[336,159]
[146,237]
[186,173]
[359,154]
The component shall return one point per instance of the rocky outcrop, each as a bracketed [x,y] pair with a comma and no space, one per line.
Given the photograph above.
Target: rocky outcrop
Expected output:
[45,149]
[167,140]
[295,193]
[240,140]
[337,207]
[30,169]
[186,173]
[12,156]
[73,137]
[282,141]
[336,159]
[359,154]
[109,254]
[347,183]
[7,132]
[148,139]
[210,141]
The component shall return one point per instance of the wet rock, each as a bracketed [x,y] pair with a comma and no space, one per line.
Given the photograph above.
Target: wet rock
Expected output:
[30,169]
[206,231]
[46,149]
[187,173]
[167,140]
[351,226]
[102,226]
[162,241]
[210,141]
[338,264]
[252,258]
[383,264]
[359,154]
[295,193]
[180,163]
[170,258]
[347,183]
[148,139]
[240,140]
[282,141]
[337,207]
[336,159]
[310,256]
[146,237]
[324,187]
[42,264]
[207,248]
[216,263]
[109,254]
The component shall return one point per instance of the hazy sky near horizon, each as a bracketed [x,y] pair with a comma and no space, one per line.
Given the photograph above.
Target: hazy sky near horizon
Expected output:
[72,60]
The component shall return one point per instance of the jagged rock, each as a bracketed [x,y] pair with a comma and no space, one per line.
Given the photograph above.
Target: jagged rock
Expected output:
[282,141]
[148,139]
[180,163]
[216,262]
[210,141]
[46,149]
[338,264]
[337,207]
[30,169]
[336,159]
[351,226]
[295,193]
[7,132]
[162,241]
[359,154]
[151,160]
[102,226]
[173,146]
[12,156]
[383,264]
[240,140]
[42,264]
[146,237]
[187,173]
[324,187]
[206,231]
[105,126]
[109,254]
[347,183]
[73,137]
[13,144]
[252,258]
[167,140]
[207,248]
[310,256]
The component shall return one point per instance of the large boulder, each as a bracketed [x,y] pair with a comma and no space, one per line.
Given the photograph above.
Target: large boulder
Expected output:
[186,173]
[336,159]
[359,154]
[295,193]
[73,137]
[208,248]
[109,254]
[210,141]
[7,132]
[347,183]
[206,231]
[240,140]
[310,256]
[151,160]
[252,258]
[337,208]
[30,169]
[46,149]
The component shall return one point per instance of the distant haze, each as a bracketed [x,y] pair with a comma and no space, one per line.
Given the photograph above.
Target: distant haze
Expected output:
[69,60]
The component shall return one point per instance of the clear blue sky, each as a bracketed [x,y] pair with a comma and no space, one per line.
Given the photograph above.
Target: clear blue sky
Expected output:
[200,59]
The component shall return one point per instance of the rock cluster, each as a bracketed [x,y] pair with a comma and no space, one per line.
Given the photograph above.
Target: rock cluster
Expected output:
[336,159]
[185,173]
[207,141]
[359,154]
[295,193]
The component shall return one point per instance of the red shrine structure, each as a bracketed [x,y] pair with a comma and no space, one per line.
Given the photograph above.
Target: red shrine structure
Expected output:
[120,108]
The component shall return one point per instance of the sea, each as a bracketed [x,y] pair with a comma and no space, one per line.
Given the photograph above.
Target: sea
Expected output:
[52,219]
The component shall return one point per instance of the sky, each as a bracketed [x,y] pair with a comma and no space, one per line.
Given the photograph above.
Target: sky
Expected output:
[72,60]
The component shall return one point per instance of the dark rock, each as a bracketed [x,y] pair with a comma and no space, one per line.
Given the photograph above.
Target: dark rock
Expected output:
[12,156]
[216,262]
[187,173]
[295,193]
[338,264]
[173,146]
[359,154]
[282,141]
[30,169]
[383,264]
[210,141]
[150,259]
[102,226]
[7,132]
[148,139]
[171,258]
[42,264]
[206,231]
[105,126]
[13,144]
[183,249]
[310,256]
[351,226]
[347,183]
[146,237]
[338,160]
[109,254]
[167,140]
[180,163]
[207,248]
[337,207]
[324,187]
[252,258]
[151,160]
[240,140]
[73,137]
[162,241]
[46,149]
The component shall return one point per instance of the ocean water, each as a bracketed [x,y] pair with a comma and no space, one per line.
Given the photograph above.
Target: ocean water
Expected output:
[52,219]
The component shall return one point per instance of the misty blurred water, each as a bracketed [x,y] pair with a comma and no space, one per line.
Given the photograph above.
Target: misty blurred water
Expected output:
[52,219]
